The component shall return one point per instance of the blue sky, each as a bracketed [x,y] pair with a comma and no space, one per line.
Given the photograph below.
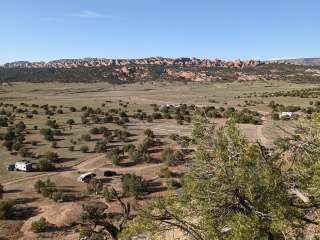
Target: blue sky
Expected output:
[229,29]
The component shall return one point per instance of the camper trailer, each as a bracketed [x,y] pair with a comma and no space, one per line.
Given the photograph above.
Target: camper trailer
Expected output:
[24,166]
[286,115]
[86,177]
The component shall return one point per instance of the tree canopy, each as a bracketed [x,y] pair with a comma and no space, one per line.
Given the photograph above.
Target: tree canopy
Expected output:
[235,189]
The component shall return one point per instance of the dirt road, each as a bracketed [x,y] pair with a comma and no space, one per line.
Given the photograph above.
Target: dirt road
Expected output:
[81,166]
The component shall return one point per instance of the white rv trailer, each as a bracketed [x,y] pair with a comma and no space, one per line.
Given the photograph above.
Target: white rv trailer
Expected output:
[86,177]
[24,166]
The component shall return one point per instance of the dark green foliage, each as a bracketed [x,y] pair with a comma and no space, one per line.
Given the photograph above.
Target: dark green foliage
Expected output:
[48,189]
[128,147]
[108,194]
[53,124]
[95,186]
[70,122]
[7,209]
[24,152]
[52,157]
[86,137]
[171,156]
[165,173]
[47,133]
[59,197]
[45,165]
[132,185]
[149,133]
[39,226]
[84,149]
[114,155]
[101,146]
[71,148]
[234,189]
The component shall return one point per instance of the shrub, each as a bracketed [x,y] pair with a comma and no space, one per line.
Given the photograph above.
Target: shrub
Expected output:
[167,155]
[52,124]
[84,149]
[20,127]
[17,146]
[149,133]
[95,186]
[135,156]
[54,144]
[72,109]
[1,189]
[171,157]
[149,119]
[94,131]
[47,133]
[108,195]
[24,152]
[183,141]
[128,147]
[132,185]
[86,137]
[58,196]
[70,122]
[45,165]
[71,148]
[146,157]
[172,183]
[275,116]
[7,209]
[39,226]
[8,144]
[165,173]
[173,136]
[52,157]
[114,156]
[179,121]
[46,188]
[38,185]
[100,147]
[146,144]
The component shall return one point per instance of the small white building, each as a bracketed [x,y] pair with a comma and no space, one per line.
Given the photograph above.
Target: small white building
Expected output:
[286,115]
[24,166]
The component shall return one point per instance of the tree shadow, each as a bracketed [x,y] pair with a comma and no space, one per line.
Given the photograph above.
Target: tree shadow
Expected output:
[24,213]
[128,164]
[155,150]
[67,159]
[153,187]
[13,191]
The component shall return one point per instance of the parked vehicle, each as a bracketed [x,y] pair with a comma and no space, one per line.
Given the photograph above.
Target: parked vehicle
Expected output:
[11,167]
[24,166]
[109,173]
[86,177]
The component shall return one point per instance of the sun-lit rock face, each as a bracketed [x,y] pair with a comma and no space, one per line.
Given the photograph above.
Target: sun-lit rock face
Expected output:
[99,62]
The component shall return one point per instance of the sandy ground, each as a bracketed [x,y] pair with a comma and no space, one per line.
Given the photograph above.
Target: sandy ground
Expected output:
[62,214]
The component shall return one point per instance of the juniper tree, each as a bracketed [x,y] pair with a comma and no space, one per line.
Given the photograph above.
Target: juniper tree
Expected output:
[235,189]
